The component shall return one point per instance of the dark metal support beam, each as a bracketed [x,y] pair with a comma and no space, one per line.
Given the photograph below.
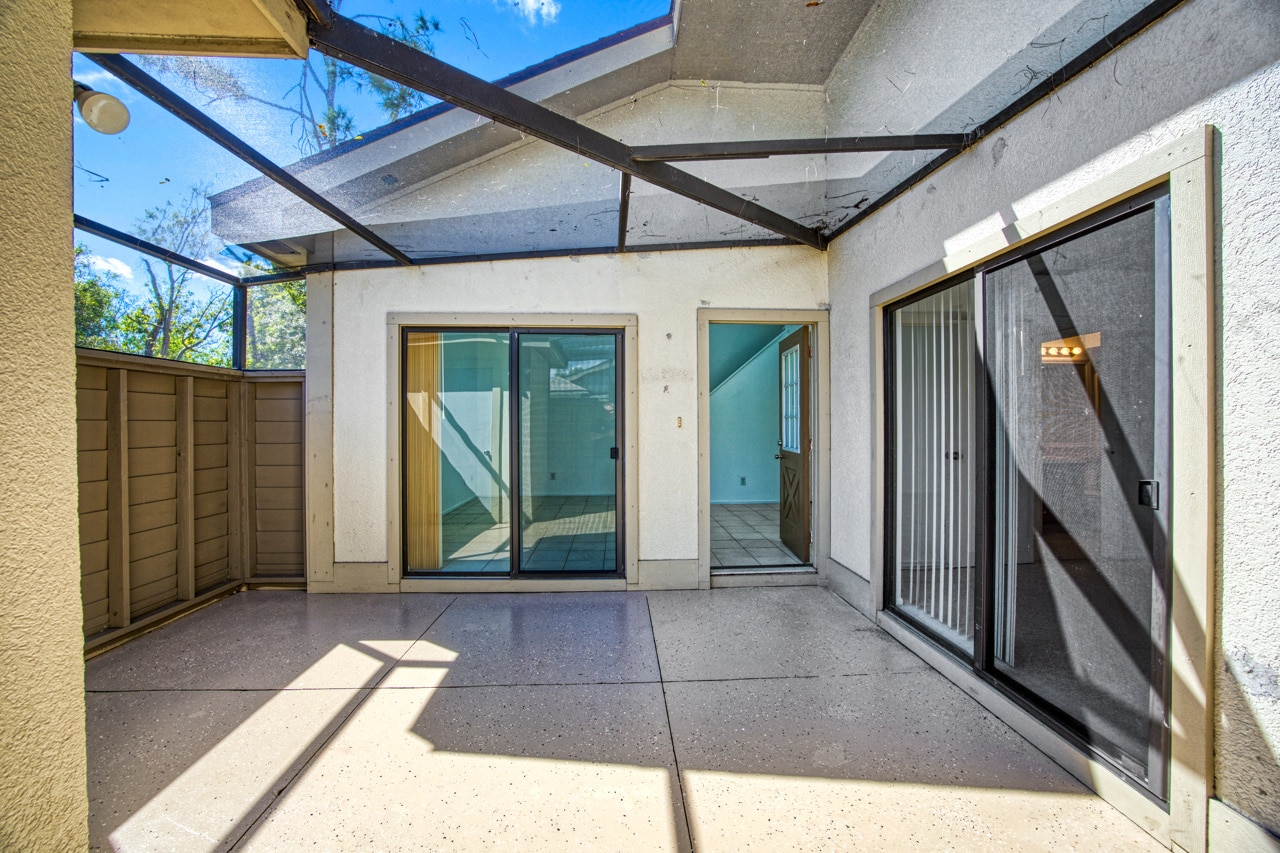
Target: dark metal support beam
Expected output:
[318,11]
[757,149]
[165,97]
[160,252]
[239,327]
[624,209]
[358,45]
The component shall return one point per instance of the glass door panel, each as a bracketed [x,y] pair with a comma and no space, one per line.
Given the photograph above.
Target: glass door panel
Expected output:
[932,568]
[569,459]
[1078,365]
[457,441]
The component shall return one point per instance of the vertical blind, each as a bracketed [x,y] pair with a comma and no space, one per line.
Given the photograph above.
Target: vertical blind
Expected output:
[933,546]
[422,451]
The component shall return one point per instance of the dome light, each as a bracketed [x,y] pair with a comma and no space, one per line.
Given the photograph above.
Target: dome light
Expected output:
[102,112]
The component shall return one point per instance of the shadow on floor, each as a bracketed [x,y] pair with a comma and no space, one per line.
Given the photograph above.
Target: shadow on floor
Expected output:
[719,719]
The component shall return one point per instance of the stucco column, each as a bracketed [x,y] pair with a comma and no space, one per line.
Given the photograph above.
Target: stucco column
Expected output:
[43,801]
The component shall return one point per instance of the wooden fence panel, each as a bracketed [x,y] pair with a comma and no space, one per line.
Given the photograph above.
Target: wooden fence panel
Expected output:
[91,428]
[211,482]
[279,478]
[190,478]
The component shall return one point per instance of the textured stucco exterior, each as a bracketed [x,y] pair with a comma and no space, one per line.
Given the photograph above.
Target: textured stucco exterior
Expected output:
[43,801]
[1208,62]
[663,290]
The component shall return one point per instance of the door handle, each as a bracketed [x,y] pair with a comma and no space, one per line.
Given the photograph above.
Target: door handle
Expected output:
[613,453]
[777,456]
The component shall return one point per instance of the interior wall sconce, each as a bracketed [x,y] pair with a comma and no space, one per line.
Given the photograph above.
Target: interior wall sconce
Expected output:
[102,112]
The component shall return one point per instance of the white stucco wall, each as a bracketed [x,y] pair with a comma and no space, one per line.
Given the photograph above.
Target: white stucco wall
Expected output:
[1208,62]
[664,291]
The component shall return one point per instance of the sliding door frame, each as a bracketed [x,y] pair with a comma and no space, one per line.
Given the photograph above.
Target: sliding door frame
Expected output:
[623,325]
[1186,166]
[889,418]
[517,483]
[987,527]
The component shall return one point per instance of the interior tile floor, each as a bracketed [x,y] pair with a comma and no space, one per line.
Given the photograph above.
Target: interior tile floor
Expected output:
[732,719]
[746,536]
[574,533]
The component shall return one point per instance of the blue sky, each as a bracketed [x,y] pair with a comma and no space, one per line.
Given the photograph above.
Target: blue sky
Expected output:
[158,158]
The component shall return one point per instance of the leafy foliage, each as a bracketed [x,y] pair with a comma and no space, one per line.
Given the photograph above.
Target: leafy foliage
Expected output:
[179,318]
[276,331]
[100,303]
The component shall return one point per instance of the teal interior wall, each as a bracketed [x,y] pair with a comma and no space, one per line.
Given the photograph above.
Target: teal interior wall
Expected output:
[474,420]
[567,434]
[744,418]
[580,407]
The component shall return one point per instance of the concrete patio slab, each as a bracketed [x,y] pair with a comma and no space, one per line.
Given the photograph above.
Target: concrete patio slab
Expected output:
[191,770]
[769,633]
[586,767]
[269,639]
[547,638]
[541,721]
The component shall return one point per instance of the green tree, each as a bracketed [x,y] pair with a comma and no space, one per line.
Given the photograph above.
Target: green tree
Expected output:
[179,317]
[275,330]
[100,303]
[318,118]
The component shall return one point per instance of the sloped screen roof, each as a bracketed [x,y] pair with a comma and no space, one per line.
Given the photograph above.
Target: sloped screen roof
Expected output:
[352,170]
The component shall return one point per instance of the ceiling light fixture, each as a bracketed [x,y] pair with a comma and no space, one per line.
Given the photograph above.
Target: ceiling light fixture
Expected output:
[102,112]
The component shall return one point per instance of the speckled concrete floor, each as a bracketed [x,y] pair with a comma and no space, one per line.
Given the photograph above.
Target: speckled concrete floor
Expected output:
[732,719]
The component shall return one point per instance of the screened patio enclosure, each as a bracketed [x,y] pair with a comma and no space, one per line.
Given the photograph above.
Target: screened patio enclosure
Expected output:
[676,132]
[512,279]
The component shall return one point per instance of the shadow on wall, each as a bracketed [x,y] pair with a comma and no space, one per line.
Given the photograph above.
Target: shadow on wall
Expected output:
[1247,765]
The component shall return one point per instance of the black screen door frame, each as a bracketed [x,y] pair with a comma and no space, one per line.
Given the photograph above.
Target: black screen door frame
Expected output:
[1155,785]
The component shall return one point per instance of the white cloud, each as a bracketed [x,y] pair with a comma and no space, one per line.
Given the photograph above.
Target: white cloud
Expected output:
[104,81]
[233,267]
[532,10]
[111,265]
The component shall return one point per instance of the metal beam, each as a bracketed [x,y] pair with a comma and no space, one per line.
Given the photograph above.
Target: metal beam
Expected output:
[99,230]
[358,45]
[165,97]
[318,11]
[624,209]
[347,266]
[758,149]
[239,327]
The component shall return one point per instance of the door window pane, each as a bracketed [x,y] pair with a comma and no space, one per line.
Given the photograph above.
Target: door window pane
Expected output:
[791,400]
[1076,375]
[568,444]
[932,552]
[457,493]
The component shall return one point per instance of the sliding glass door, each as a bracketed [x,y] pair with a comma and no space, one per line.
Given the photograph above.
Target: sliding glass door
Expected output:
[569,452]
[933,569]
[1027,498]
[511,460]
[1078,360]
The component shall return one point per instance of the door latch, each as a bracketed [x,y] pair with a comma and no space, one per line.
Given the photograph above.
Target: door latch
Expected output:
[1149,493]
[614,453]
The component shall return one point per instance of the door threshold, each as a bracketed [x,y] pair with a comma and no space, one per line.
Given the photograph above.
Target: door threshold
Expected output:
[779,576]
[509,584]
[764,570]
